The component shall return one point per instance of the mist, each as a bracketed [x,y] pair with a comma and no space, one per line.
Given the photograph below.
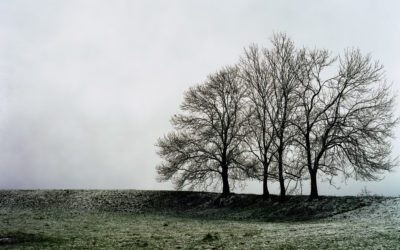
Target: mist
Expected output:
[87,87]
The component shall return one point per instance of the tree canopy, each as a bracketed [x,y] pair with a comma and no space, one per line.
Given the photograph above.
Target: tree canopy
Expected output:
[280,113]
[207,146]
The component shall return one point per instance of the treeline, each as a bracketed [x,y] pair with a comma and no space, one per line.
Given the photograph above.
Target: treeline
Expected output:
[282,114]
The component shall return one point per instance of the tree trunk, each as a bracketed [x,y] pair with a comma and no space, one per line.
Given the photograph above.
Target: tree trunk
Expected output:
[314,188]
[283,191]
[311,170]
[280,155]
[225,181]
[265,185]
[281,180]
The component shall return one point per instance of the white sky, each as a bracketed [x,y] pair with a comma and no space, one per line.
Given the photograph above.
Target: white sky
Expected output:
[87,87]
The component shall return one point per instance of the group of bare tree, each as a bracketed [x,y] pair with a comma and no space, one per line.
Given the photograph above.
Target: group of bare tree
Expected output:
[282,114]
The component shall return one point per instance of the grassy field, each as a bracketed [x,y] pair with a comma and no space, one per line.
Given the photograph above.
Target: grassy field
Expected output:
[187,220]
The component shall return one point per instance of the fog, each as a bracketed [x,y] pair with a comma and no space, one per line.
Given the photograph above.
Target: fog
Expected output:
[87,87]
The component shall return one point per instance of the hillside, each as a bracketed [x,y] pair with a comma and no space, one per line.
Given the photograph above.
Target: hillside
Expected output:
[131,219]
[199,204]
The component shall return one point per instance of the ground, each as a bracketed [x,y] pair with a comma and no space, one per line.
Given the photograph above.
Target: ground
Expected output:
[189,220]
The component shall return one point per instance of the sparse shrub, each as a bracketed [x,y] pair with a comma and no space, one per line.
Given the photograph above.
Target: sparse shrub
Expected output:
[365,192]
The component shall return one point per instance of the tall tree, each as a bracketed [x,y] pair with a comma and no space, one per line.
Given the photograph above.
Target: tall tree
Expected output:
[207,144]
[261,138]
[282,65]
[345,120]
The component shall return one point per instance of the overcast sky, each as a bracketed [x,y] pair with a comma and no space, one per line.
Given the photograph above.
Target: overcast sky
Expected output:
[87,87]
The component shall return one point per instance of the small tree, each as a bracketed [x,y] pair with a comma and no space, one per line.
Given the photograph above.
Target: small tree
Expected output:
[208,142]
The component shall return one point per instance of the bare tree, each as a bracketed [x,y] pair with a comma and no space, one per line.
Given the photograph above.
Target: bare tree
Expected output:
[261,138]
[344,121]
[282,67]
[207,145]
[283,111]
